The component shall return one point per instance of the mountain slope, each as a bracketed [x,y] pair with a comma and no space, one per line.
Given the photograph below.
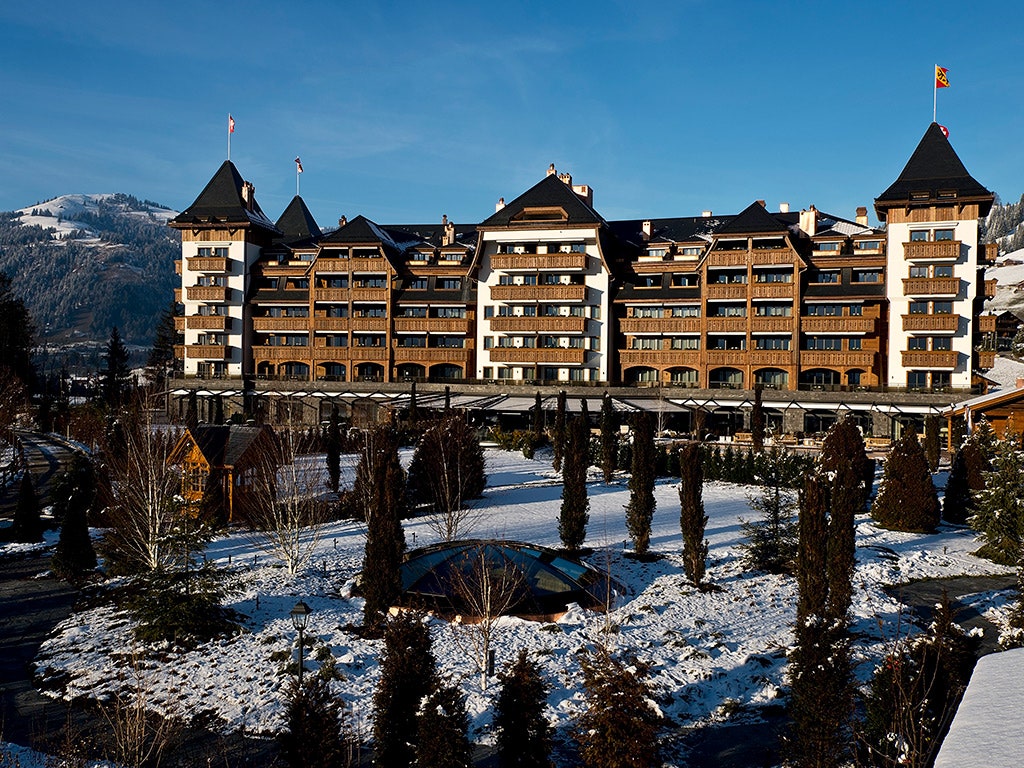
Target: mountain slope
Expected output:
[85,263]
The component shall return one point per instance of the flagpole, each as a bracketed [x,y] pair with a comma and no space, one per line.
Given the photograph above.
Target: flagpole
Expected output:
[935,93]
[229,136]
[297,174]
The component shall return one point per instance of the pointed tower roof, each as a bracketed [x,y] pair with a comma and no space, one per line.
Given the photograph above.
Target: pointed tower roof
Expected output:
[549,193]
[934,173]
[753,219]
[223,202]
[298,225]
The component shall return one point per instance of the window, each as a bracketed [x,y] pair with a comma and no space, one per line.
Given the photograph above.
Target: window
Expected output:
[855,344]
[687,311]
[773,277]
[917,379]
[417,284]
[942,343]
[488,342]
[867,245]
[334,282]
[917,343]
[919,271]
[772,342]
[335,340]
[943,270]
[451,312]
[919,236]
[657,253]
[727,342]
[488,372]
[372,282]
[827,247]
[856,310]
[412,312]
[300,283]
[824,310]
[943,308]
[773,310]
[941,379]
[577,342]
[449,283]
[649,281]
[919,307]
[411,341]
[648,312]
[579,374]
[943,234]
[551,278]
[548,342]
[529,280]
[831,343]
[683,281]
[830,276]
[646,342]
[867,276]
[692,251]
[489,311]
[368,340]
[685,342]
[337,310]
[728,310]
[578,248]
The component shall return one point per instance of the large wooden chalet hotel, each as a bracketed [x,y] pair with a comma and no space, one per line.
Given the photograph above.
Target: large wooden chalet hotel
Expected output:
[683,314]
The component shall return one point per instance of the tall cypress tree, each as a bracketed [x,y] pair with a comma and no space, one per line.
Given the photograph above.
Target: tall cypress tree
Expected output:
[380,495]
[999,513]
[965,481]
[114,377]
[932,446]
[27,526]
[160,362]
[574,516]
[315,715]
[523,734]
[692,520]
[640,509]
[907,499]
[609,441]
[442,730]
[73,494]
[757,420]
[558,435]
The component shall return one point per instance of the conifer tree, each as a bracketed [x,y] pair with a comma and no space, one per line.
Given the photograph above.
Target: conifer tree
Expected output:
[407,675]
[757,420]
[692,520]
[558,435]
[442,739]
[772,540]
[932,446]
[609,441]
[999,513]
[965,482]
[27,526]
[538,418]
[218,410]
[332,447]
[619,728]
[74,556]
[161,357]
[414,411]
[907,499]
[114,377]
[523,734]
[640,509]
[192,410]
[574,516]
[379,492]
[315,716]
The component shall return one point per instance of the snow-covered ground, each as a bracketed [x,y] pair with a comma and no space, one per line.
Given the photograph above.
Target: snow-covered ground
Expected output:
[61,213]
[713,655]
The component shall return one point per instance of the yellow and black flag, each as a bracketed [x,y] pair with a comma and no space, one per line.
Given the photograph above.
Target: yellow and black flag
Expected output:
[941,81]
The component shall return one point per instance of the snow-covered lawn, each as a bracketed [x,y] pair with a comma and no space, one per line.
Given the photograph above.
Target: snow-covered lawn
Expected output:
[713,654]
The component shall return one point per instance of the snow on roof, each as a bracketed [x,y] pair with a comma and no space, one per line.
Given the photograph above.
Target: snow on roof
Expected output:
[988,729]
[1005,372]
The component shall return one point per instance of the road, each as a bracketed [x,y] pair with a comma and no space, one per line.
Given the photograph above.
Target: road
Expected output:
[44,455]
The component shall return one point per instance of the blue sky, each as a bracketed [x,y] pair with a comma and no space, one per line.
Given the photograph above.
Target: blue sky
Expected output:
[405,111]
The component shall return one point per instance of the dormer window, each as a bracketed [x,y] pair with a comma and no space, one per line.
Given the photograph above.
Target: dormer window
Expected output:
[541,214]
[919,195]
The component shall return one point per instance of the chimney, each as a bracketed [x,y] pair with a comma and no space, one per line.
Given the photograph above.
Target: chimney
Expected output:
[342,221]
[706,214]
[809,221]
[551,170]
[500,204]
[448,236]
[585,193]
[761,203]
[565,178]
[862,216]
[1020,383]
[783,207]
[646,230]
[248,194]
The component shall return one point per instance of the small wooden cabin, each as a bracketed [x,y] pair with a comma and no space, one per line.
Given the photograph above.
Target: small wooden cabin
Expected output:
[1004,410]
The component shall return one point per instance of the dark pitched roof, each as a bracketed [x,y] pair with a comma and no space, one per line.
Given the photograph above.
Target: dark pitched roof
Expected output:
[298,225]
[933,168]
[221,202]
[754,219]
[225,445]
[686,229]
[549,192]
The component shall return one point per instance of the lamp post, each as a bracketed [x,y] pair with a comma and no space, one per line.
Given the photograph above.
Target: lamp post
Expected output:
[300,617]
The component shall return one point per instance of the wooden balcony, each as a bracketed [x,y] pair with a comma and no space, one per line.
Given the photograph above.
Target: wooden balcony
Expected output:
[990,289]
[368,353]
[727,324]
[729,357]
[179,351]
[337,295]
[987,323]
[839,324]
[986,358]
[947,323]
[430,355]
[331,354]
[363,264]
[659,325]
[771,324]
[727,259]
[207,264]
[280,323]
[208,293]
[773,357]
[179,324]
[539,324]
[207,322]
[931,286]
[536,261]
[942,249]
[379,324]
[330,323]
[725,290]
[369,294]
[989,253]
[773,256]
[836,359]
[538,355]
[177,295]
[538,292]
[689,358]
[280,353]
[773,290]
[177,266]
[432,324]
[325,264]
[920,358]
[207,351]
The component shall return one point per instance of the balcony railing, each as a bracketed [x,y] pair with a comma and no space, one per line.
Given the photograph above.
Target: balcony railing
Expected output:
[725,290]
[986,358]
[990,289]
[363,264]
[179,324]
[208,293]
[325,264]
[941,249]
[432,324]
[772,290]
[280,323]
[727,259]
[931,286]
[659,357]
[771,324]
[816,324]
[430,355]
[369,294]
[177,295]
[836,359]
[660,325]
[987,323]
[772,256]
[730,357]
[947,323]
[368,323]
[207,264]
[368,353]
[778,357]
[920,358]
[727,325]
[538,292]
[531,261]
[207,351]
[332,294]
[207,322]
[570,356]
[330,323]
[539,324]
[281,353]
[177,266]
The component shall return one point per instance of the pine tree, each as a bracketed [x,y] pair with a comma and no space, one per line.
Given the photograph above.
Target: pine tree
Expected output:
[114,377]
[999,512]
[932,446]
[965,481]
[523,734]
[574,516]
[757,420]
[619,728]
[772,540]
[218,410]
[379,492]
[16,330]
[692,519]
[907,499]
[160,362]
[442,739]
[192,410]
[558,435]
[640,509]
[538,418]
[332,447]
[27,526]
[609,441]
[407,675]
[315,716]
[73,494]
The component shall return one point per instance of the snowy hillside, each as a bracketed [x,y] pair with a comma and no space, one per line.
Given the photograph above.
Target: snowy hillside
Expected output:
[69,214]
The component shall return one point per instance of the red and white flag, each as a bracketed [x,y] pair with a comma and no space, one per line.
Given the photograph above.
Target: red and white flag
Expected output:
[945,131]
[231,124]
[298,165]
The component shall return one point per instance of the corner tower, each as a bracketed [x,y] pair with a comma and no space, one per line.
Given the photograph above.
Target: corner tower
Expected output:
[934,267]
